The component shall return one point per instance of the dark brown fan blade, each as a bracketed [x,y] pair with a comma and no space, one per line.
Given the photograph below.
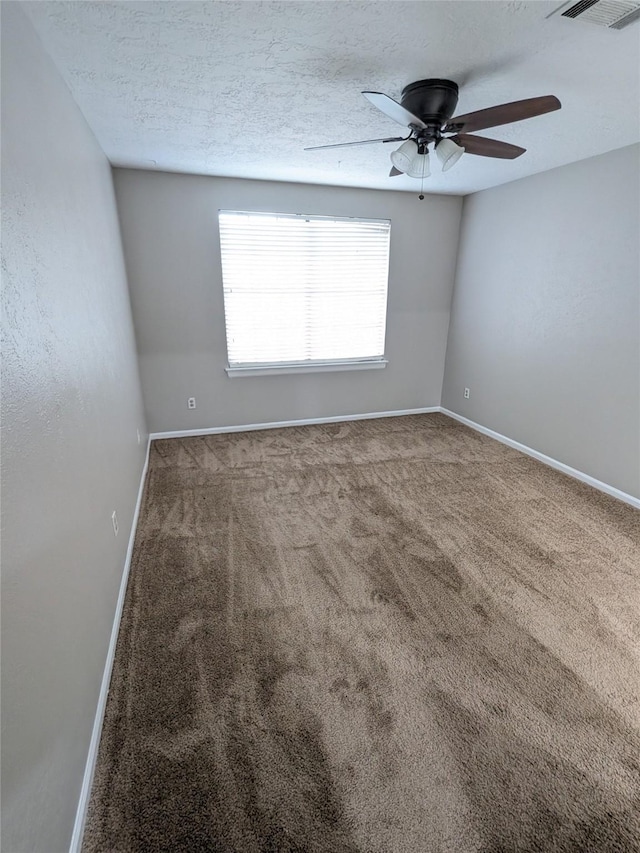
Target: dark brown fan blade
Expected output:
[349,144]
[503,114]
[394,110]
[394,172]
[487,147]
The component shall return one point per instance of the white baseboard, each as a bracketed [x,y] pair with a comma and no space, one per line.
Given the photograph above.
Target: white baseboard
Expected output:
[548,460]
[187,433]
[87,779]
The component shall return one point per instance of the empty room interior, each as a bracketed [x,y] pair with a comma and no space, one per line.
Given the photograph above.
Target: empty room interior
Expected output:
[321,426]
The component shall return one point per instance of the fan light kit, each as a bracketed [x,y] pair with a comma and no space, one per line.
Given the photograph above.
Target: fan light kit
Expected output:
[412,159]
[426,107]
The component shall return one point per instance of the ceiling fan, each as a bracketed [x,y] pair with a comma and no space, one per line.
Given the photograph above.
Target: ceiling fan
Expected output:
[426,107]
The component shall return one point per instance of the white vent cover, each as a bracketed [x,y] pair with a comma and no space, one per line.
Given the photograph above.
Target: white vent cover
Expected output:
[615,14]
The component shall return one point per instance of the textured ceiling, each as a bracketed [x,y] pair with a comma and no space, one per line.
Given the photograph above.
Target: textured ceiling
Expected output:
[239,88]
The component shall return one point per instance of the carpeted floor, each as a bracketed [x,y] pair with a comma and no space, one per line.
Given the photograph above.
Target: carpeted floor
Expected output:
[389,636]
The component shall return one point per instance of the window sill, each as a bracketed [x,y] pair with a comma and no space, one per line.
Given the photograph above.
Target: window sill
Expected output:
[316,367]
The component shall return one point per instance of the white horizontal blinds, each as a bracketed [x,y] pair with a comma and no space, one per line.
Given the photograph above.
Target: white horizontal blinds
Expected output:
[303,288]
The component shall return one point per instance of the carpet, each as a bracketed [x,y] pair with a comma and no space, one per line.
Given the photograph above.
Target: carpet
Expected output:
[383,636]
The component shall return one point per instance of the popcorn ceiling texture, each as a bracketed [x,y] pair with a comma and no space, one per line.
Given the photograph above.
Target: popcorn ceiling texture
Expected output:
[239,88]
[387,636]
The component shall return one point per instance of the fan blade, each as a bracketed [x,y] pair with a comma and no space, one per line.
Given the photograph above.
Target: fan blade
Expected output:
[394,110]
[394,172]
[348,144]
[503,114]
[487,147]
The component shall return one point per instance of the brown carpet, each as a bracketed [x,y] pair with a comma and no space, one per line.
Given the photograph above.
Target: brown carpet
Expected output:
[389,636]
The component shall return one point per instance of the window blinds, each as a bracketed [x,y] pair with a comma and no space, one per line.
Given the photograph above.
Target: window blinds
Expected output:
[303,289]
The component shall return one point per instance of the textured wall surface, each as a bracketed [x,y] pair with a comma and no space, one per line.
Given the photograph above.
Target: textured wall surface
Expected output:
[240,88]
[171,241]
[545,324]
[70,455]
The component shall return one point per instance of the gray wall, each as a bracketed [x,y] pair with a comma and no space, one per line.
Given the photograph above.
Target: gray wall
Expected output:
[170,233]
[546,314]
[70,454]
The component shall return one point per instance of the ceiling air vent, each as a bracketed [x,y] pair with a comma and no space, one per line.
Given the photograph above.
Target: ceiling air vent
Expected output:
[615,14]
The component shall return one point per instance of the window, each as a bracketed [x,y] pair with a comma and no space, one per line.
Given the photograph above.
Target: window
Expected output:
[303,292]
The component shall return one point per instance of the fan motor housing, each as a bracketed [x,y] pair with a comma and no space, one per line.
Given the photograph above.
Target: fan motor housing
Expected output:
[433,101]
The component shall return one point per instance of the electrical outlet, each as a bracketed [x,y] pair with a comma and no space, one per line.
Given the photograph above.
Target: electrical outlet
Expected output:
[114,521]
[467,393]
[191,403]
